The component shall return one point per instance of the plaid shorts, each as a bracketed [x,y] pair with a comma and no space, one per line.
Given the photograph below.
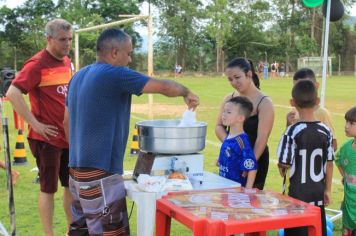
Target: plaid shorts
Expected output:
[99,203]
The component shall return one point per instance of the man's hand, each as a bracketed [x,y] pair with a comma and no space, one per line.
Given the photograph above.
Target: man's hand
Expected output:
[45,130]
[191,100]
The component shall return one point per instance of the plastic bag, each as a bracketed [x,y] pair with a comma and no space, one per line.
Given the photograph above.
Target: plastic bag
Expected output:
[149,183]
[177,185]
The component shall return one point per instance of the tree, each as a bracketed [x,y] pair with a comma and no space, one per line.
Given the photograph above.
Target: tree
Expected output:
[249,36]
[219,27]
[178,26]
[23,26]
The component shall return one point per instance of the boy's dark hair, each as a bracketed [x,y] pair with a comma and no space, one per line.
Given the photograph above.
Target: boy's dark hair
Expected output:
[246,105]
[305,94]
[304,73]
[351,115]
[245,65]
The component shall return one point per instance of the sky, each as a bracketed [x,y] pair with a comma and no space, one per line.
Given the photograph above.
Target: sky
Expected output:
[144,11]
[12,3]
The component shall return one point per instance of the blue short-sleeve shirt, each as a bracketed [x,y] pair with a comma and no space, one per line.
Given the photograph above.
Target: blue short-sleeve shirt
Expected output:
[99,104]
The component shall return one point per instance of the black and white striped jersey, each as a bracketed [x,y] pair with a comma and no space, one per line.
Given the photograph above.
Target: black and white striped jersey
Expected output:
[306,147]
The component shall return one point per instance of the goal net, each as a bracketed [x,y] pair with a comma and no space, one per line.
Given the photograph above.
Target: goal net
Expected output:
[315,63]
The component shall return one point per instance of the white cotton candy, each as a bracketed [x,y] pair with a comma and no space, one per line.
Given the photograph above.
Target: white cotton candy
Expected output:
[188,118]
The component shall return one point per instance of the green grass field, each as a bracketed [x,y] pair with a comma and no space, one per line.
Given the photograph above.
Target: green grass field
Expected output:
[211,90]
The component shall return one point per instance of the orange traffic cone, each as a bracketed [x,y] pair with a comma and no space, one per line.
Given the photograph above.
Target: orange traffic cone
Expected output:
[20,151]
[134,144]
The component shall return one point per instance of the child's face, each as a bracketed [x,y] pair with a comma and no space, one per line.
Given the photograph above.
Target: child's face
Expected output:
[350,129]
[231,114]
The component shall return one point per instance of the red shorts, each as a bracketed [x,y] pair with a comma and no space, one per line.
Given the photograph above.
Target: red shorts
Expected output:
[349,232]
[52,163]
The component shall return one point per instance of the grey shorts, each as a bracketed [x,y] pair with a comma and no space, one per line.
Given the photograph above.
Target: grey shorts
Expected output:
[99,203]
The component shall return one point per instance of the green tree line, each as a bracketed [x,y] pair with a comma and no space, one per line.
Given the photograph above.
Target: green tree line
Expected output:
[200,35]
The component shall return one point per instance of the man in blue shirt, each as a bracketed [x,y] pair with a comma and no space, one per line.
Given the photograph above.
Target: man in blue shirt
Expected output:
[97,125]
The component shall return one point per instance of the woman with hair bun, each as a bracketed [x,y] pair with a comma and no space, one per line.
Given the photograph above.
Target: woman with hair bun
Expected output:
[258,126]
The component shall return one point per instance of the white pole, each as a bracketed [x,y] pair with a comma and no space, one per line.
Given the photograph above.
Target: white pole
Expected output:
[355,65]
[111,24]
[150,64]
[325,59]
[76,51]
[107,25]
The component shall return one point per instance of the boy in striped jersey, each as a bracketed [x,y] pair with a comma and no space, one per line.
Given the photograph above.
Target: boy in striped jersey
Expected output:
[306,148]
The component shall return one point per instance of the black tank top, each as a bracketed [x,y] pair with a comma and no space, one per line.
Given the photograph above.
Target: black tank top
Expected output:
[251,125]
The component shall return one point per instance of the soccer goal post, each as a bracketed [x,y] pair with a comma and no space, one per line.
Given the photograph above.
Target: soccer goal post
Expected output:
[131,18]
[315,63]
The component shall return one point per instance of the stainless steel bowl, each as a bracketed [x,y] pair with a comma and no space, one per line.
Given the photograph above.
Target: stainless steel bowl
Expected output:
[167,137]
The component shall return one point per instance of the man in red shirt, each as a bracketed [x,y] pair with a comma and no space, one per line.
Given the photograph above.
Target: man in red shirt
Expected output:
[45,78]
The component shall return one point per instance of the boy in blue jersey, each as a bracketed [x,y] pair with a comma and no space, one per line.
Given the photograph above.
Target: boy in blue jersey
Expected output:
[237,160]
[306,149]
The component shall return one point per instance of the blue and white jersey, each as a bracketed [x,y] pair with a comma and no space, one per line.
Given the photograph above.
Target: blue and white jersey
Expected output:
[236,156]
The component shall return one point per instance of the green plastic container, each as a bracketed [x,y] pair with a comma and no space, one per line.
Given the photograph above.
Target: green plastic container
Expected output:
[313,3]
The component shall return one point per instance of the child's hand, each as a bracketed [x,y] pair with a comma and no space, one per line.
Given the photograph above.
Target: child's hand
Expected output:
[244,174]
[282,171]
[291,117]
[327,198]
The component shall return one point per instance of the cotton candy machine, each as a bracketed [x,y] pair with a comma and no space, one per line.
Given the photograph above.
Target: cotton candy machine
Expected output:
[167,146]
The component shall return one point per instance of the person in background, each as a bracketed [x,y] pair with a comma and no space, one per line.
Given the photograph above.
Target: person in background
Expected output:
[282,70]
[265,69]
[320,113]
[97,125]
[274,69]
[258,126]
[178,70]
[237,160]
[45,77]
[306,149]
[260,68]
[14,174]
[345,160]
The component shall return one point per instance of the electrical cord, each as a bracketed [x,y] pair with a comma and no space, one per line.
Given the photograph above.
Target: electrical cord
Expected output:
[132,206]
